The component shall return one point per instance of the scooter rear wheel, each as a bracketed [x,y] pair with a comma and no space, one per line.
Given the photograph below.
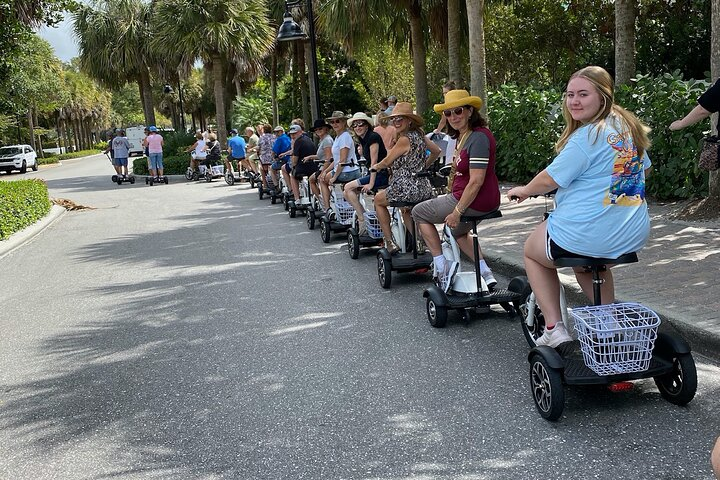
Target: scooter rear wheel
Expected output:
[230,178]
[437,314]
[310,220]
[384,268]
[546,388]
[353,245]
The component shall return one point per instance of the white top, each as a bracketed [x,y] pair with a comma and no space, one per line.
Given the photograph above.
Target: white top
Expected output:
[199,149]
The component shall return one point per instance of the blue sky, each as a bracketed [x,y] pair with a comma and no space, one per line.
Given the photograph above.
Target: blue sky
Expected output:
[61,39]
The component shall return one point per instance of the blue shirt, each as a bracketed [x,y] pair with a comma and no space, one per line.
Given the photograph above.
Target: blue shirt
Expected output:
[282,145]
[237,146]
[600,206]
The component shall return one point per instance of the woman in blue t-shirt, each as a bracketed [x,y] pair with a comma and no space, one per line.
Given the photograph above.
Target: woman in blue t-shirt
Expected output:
[601,212]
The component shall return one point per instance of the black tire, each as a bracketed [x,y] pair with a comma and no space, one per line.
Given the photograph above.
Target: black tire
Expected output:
[286,202]
[261,192]
[196,176]
[325,231]
[119,182]
[353,245]
[292,212]
[166,180]
[310,220]
[252,182]
[132,180]
[273,199]
[437,314]
[679,386]
[208,176]
[147,180]
[230,179]
[151,181]
[384,269]
[546,389]
[35,166]
[23,167]
[189,174]
[114,178]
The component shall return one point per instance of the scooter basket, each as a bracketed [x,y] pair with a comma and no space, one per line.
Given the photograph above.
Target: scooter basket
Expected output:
[373,225]
[345,212]
[616,338]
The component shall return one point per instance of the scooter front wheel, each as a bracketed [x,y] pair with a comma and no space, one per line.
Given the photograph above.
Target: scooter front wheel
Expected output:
[546,388]
[679,386]
[437,314]
[384,269]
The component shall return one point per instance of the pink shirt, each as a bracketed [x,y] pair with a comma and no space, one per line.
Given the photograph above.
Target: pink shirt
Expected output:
[154,143]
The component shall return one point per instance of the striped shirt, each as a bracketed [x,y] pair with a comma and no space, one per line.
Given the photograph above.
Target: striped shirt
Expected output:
[478,152]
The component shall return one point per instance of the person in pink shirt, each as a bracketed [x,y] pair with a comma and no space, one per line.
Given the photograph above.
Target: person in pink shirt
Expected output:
[154,144]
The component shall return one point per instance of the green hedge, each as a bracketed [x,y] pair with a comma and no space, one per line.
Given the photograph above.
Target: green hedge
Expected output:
[22,203]
[175,165]
[526,122]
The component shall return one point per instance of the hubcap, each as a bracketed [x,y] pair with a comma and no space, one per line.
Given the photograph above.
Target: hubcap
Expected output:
[542,392]
[432,311]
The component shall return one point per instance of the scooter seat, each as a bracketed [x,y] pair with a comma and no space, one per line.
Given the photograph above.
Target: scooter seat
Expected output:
[480,217]
[402,204]
[584,261]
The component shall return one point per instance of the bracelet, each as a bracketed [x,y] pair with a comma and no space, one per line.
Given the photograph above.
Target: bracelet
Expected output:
[458,210]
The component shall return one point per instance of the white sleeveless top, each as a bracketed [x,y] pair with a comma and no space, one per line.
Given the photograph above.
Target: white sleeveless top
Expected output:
[199,152]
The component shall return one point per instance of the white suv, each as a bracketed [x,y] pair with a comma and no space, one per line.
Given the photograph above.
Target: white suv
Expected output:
[18,157]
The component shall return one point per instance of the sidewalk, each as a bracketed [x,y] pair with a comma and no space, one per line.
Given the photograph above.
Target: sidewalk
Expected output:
[678,273]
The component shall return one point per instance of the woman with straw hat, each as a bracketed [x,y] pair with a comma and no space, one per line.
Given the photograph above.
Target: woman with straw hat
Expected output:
[474,186]
[406,158]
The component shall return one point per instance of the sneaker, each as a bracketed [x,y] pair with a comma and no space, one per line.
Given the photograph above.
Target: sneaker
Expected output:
[489,279]
[555,337]
[445,278]
[362,229]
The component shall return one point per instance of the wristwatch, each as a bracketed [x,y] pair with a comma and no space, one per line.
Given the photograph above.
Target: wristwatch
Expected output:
[373,170]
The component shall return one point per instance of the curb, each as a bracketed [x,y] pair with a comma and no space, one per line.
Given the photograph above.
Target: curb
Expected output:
[702,341]
[23,236]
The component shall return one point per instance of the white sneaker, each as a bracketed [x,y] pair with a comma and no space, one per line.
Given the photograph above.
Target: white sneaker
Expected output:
[445,278]
[555,337]
[489,279]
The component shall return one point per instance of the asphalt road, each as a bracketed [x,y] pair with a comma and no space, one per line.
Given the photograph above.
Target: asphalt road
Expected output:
[193,331]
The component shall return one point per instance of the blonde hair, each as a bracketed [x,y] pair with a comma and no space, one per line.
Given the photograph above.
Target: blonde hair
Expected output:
[212,137]
[382,119]
[603,83]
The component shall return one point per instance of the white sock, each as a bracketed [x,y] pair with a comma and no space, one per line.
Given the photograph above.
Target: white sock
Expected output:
[439,263]
[484,269]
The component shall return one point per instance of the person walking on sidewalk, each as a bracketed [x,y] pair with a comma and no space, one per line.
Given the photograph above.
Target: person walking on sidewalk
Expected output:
[601,212]
[474,186]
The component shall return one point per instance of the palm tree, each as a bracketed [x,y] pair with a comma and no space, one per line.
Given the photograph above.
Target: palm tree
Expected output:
[216,31]
[625,13]
[714,193]
[478,69]
[114,43]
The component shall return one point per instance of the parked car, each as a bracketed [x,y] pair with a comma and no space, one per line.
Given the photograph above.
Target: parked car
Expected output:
[18,157]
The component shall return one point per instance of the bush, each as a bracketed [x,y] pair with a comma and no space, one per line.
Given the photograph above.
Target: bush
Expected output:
[78,154]
[100,145]
[527,121]
[174,165]
[22,203]
[175,143]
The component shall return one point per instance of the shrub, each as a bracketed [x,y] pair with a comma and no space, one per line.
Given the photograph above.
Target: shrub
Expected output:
[100,145]
[78,154]
[173,165]
[526,122]
[22,203]
[175,143]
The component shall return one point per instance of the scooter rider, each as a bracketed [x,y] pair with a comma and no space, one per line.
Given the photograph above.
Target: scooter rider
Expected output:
[373,149]
[324,153]
[303,147]
[474,186]
[280,149]
[344,167]
[236,149]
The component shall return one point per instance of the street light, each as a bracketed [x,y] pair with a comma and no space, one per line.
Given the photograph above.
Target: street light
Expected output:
[290,31]
[169,89]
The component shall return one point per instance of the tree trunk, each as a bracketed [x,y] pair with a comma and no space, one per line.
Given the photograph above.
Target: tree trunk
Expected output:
[76,135]
[68,130]
[417,40]
[624,41]
[219,91]
[39,148]
[302,74]
[714,193]
[146,97]
[311,81]
[31,127]
[454,69]
[273,89]
[476,36]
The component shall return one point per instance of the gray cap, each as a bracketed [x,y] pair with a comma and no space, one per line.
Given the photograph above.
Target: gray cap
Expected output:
[294,129]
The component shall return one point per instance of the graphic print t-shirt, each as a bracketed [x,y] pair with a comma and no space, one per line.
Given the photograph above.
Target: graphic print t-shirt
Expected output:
[601,209]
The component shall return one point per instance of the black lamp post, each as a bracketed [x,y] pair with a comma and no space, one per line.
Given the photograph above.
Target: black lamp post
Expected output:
[291,31]
[169,89]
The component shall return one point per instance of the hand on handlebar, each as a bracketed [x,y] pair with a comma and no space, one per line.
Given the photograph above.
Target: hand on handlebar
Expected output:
[517,194]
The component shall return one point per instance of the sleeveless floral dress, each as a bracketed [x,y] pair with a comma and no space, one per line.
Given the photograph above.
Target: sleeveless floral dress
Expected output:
[404,187]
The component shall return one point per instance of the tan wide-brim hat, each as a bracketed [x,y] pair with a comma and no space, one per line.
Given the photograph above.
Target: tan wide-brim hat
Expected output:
[360,116]
[404,109]
[337,114]
[458,98]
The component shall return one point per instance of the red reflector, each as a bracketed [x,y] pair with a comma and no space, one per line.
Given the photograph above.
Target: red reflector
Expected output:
[422,270]
[621,387]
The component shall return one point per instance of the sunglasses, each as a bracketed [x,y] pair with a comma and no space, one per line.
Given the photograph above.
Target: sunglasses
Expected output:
[358,124]
[456,111]
[335,121]
[397,119]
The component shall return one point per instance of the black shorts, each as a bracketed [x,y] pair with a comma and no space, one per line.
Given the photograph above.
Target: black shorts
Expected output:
[304,170]
[553,251]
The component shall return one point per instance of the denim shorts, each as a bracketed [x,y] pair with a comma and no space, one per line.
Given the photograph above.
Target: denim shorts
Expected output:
[121,162]
[277,164]
[346,177]
[381,180]
[156,162]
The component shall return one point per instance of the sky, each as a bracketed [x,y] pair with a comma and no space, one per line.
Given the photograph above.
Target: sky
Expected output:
[61,39]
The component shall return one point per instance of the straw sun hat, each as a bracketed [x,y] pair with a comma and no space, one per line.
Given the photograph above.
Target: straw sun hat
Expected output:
[360,116]
[404,109]
[458,98]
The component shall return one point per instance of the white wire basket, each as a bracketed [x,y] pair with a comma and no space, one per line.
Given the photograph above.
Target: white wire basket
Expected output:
[345,211]
[373,225]
[616,338]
